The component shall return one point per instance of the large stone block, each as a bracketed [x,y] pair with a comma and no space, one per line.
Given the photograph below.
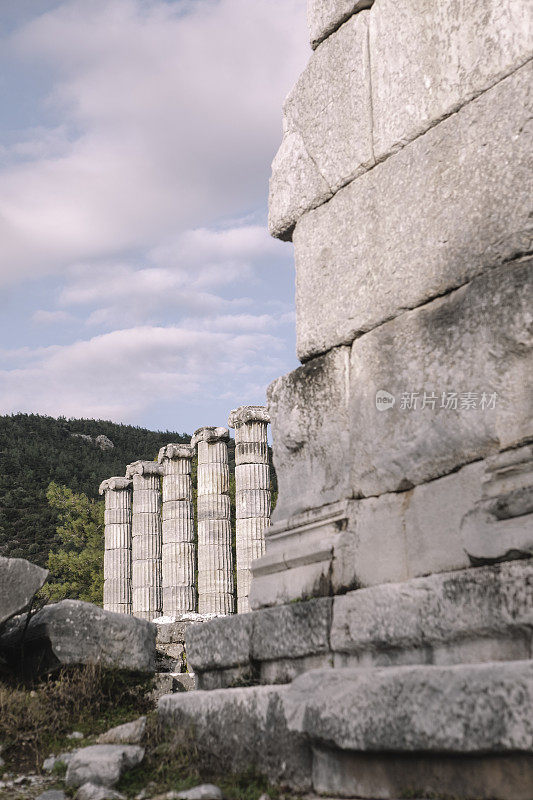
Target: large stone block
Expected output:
[19,583]
[472,708]
[462,49]
[472,345]
[456,616]
[325,16]
[74,632]
[220,643]
[328,127]
[442,210]
[308,410]
[292,631]
[242,728]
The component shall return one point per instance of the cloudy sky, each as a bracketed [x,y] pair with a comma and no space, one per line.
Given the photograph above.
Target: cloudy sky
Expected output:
[138,282]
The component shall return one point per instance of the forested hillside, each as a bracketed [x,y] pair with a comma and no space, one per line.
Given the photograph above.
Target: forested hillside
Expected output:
[36,450]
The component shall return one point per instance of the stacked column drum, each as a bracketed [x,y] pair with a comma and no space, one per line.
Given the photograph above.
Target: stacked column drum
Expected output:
[146,538]
[215,558]
[178,552]
[155,563]
[117,543]
[252,492]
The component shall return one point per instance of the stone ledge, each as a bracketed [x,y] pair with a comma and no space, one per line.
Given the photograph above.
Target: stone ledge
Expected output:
[481,604]
[473,615]
[239,641]
[472,708]
[341,732]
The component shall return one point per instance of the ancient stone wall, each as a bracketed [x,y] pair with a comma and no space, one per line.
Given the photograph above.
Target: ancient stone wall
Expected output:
[403,180]
[390,649]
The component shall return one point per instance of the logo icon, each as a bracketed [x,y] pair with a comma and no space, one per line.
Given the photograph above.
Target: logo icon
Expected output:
[384,400]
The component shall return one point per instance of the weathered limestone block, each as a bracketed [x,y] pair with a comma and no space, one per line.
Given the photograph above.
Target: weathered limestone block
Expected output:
[117,538]
[411,228]
[476,341]
[475,615]
[362,732]
[328,115]
[178,552]
[298,561]
[467,708]
[290,632]
[309,413]
[74,632]
[252,492]
[146,538]
[325,16]
[240,728]
[128,733]
[461,50]
[398,536]
[20,581]
[220,643]
[295,185]
[215,559]
[501,525]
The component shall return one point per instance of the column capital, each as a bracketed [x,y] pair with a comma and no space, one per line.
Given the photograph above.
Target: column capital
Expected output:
[114,484]
[243,414]
[143,468]
[210,435]
[175,450]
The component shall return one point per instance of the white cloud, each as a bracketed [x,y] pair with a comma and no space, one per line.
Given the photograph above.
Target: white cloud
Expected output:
[119,375]
[173,112]
[43,317]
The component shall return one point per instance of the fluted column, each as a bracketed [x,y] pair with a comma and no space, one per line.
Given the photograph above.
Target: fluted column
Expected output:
[215,558]
[146,538]
[117,544]
[178,552]
[252,492]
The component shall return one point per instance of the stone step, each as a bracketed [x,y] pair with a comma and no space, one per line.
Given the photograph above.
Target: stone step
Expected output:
[463,730]
[466,616]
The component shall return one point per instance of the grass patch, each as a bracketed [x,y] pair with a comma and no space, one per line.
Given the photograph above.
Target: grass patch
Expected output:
[35,720]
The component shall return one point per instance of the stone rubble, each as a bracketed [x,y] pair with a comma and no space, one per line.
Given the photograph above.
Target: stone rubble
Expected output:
[128,733]
[94,791]
[102,764]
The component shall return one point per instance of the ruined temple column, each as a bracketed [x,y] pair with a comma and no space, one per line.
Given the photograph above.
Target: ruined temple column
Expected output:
[146,538]
[252,492]
[117,536]
[178,553]
[215,559]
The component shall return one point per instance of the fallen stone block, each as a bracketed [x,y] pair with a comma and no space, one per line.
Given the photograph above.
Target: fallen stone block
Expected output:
[73,632]
[52,794]
[102,764]
[207,791]
[20,580]
[129,733]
